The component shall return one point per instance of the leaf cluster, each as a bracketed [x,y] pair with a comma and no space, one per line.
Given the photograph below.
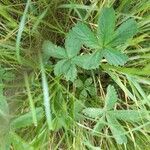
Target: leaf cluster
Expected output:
[108,116]
[103,44]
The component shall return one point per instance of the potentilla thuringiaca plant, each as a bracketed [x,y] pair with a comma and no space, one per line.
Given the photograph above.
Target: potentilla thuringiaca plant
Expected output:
[103,44]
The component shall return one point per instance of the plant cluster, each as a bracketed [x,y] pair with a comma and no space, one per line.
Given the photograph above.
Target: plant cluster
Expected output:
[103,44]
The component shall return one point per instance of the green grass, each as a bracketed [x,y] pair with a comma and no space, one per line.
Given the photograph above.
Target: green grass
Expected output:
[39,110]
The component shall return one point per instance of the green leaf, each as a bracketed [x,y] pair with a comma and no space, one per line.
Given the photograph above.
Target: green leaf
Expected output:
[111,97]
[129,115]
[91,89]
[88,82]
[78,83]
[99,125]
[88,61]
[106,25]
[26,119]
[61,67]
[114,57]
[4,110]
[84,33]
[93,112]
[126,30]
[4,116]
[83,94]
[67,68]
[52,50]
[117,130]
[78,107]
[18,143]
[72,44]
[71,74]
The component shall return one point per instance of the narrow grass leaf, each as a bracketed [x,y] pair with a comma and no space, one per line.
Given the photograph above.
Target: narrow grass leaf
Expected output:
[32,106]
[21,28]
[46,96]
[18,143]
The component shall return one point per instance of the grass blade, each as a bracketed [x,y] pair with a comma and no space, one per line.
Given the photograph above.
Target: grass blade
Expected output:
[20,30]
[30,99]
[46,96]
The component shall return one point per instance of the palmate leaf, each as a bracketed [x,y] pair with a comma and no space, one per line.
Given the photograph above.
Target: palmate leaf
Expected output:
[84,33]
[66,66]
[110,117]
[89,61]
[114,57]
[111,97]
[108,38]
[117,130]
[129,115]
[106,25]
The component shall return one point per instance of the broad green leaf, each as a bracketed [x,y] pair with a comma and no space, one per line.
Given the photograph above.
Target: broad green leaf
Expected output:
[126,30]
[89,61]
[26,119]
[99,125]
[66,68]
[52,50]
[61,67]
[78,107]
[111,98]
[84,33]
[88,82]
[89,86]
[78,83]
[72,44]
[91,89]
[117,130]
[83,94]
[114,57]
[129,115]
[71,74]
[106,25]
[93,112]
[18,143]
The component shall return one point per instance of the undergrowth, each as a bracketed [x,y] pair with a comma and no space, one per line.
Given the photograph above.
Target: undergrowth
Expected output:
[74,74]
